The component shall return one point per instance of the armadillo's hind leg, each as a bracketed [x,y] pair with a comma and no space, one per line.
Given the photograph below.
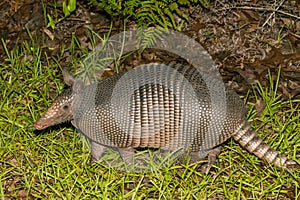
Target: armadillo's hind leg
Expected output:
[212,157]
[97,151]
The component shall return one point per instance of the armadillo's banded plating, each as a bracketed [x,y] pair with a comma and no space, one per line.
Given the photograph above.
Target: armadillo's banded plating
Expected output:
[155,115]
[155,106]
[150,106]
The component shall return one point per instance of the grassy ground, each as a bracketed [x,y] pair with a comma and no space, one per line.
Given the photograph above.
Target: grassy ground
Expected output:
[54,164]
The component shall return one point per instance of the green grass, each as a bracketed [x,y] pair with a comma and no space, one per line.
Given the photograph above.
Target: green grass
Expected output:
[54,164]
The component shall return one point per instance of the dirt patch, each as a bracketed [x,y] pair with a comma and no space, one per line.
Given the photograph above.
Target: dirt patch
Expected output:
[246,39]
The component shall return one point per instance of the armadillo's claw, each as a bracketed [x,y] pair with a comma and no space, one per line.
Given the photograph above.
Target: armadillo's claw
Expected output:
[92,160]
[212,157]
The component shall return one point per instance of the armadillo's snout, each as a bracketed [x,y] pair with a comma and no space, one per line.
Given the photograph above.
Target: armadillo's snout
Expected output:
[39,125]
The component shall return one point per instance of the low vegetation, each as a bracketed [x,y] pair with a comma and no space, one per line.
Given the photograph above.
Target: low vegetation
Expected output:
[54,163]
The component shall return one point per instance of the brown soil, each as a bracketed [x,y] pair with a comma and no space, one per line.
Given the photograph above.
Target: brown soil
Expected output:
[245,39]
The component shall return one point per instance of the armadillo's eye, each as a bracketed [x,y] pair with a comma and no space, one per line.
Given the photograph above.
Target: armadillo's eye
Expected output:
[66,107]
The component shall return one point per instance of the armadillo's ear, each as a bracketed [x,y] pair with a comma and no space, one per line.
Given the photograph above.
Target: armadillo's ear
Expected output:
[77,86]
[68,77]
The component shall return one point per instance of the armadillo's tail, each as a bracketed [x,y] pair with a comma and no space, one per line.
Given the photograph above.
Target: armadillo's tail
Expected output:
[248,138]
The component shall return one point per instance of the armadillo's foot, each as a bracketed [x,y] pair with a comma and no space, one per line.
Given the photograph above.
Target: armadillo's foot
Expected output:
[97,151]
[212,156]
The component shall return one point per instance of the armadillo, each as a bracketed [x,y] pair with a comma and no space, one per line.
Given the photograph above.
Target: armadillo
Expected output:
[171,110]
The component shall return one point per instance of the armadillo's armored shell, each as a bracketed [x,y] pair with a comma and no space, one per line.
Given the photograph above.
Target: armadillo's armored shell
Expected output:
[158,106]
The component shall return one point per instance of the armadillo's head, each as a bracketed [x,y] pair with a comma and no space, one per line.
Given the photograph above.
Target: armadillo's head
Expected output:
[60,111]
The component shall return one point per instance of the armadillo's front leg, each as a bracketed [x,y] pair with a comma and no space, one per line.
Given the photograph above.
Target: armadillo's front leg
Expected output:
[74,124]
[97,151]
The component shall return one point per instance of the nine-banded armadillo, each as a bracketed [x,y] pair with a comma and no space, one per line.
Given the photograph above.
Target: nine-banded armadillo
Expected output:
[158,106]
